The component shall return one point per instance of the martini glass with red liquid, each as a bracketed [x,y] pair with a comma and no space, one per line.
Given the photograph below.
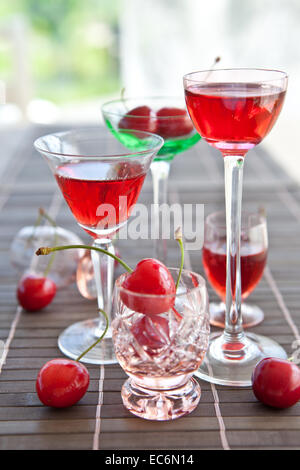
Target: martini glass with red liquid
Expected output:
[100,181]
[234,110]
[254,250]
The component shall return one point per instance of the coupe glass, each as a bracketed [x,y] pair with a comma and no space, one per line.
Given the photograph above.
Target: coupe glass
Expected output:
[100,181]
[254,249]
[234,110]
[178,134]
[160,353]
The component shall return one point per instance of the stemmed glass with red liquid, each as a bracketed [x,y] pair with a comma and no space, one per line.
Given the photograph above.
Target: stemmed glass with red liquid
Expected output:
[100,180]
[254,250]
[233,110]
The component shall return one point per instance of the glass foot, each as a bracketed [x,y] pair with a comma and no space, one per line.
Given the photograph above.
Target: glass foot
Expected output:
[252,315]
[161,405]
[79,336]
[233,364]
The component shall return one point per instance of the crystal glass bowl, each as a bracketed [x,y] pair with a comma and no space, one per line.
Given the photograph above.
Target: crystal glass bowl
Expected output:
[161,352]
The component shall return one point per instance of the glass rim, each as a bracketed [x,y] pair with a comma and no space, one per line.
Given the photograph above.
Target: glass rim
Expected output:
[261,217]
[119,100]
[201,280]
[240,69]
[128,154]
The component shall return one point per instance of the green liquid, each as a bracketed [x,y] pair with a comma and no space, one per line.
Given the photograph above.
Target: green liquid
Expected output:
[176,145]
[168,151]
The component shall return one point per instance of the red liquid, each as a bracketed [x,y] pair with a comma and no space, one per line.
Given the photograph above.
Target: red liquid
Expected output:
[253,263]
[86,187]
[234,116]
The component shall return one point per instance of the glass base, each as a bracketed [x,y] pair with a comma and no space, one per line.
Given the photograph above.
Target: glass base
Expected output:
[161,405]
[232,364]
[252,315]
[79,336]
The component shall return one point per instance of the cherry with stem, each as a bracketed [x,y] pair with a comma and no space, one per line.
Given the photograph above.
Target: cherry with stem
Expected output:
[146,264]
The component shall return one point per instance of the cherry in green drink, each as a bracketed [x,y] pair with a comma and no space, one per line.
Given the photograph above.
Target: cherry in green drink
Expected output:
[166,117]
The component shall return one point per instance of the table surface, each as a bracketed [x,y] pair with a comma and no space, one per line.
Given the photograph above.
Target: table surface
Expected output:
[226,418]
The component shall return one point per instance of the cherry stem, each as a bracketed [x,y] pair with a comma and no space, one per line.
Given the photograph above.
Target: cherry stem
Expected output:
[217,59]
[99,339]
[44,214]
[36,225]
[46,250]
[123,98]
[178,236]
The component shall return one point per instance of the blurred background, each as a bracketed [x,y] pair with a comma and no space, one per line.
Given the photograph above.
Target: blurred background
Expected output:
[59,60]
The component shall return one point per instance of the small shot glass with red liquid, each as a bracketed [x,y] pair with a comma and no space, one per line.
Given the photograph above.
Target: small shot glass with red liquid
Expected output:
[254,250]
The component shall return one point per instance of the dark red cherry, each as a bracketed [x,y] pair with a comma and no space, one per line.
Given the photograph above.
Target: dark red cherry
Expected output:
[276,382]
[152,278]
[61,382]
[151,332]
[173,122]
[141,119]
[35,292]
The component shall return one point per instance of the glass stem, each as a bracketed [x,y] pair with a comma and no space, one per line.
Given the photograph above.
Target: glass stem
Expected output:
[160,175]
[103,271]
[233,198]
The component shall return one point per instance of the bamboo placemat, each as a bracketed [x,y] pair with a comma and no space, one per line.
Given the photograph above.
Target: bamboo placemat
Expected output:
[226,418]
